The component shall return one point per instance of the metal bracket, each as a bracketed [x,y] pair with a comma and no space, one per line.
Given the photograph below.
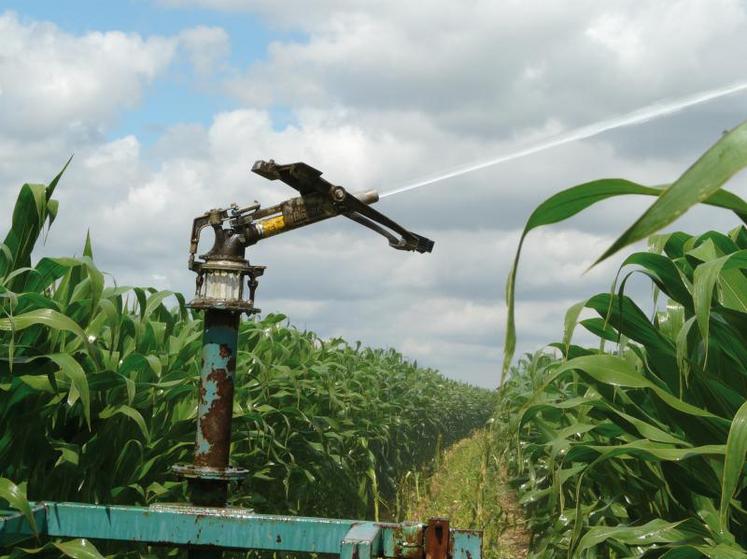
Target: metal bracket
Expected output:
[361,542]
[437,538]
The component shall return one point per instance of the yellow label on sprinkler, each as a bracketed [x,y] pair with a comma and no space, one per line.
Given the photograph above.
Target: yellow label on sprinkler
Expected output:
[273,225]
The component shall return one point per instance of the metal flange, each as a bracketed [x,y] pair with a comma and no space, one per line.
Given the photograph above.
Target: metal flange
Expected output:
[190,471]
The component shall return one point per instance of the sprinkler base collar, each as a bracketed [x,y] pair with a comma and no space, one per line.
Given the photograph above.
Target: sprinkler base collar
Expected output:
[190,471]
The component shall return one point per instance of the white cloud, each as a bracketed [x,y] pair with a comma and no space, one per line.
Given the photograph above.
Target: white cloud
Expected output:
[495,69]
[53,82]
[379,96]
[207,47]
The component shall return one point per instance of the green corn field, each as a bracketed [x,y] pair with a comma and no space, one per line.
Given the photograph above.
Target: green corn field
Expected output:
[635,447]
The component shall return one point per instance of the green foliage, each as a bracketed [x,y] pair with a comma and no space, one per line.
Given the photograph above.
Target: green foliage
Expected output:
[15,496]
[635,447]
[98,396]
[702,182]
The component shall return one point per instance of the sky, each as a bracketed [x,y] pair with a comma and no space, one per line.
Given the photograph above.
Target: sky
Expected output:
[166,104]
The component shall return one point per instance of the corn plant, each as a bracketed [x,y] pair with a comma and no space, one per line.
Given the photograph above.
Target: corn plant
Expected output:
[636,447]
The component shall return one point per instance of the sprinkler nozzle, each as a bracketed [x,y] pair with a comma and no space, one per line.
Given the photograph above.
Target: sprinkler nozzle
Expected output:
[368,197]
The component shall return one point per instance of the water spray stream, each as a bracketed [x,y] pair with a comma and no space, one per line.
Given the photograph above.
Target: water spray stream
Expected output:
[644,114]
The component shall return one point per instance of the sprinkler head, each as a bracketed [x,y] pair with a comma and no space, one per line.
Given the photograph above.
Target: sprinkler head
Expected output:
[225,278]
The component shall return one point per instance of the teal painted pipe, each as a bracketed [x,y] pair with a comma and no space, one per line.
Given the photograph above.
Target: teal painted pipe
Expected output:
[228,528]
[184,525]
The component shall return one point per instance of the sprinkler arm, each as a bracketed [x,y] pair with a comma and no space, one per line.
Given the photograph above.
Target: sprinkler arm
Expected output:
[312,187]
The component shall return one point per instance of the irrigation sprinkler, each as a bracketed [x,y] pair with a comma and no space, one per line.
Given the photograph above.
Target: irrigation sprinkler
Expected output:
[225,289]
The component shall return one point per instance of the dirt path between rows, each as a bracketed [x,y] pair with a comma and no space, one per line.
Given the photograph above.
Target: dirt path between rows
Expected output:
[469,486]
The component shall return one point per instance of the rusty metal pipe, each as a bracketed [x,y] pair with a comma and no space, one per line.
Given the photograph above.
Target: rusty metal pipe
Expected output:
[215,406]
[214,413]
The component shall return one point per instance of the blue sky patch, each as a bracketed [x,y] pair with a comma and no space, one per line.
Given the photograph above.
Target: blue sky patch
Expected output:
[175,96]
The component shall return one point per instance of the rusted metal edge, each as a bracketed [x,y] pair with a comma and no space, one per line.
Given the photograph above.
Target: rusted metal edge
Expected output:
[206,303]
[190,471]
[436,539]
